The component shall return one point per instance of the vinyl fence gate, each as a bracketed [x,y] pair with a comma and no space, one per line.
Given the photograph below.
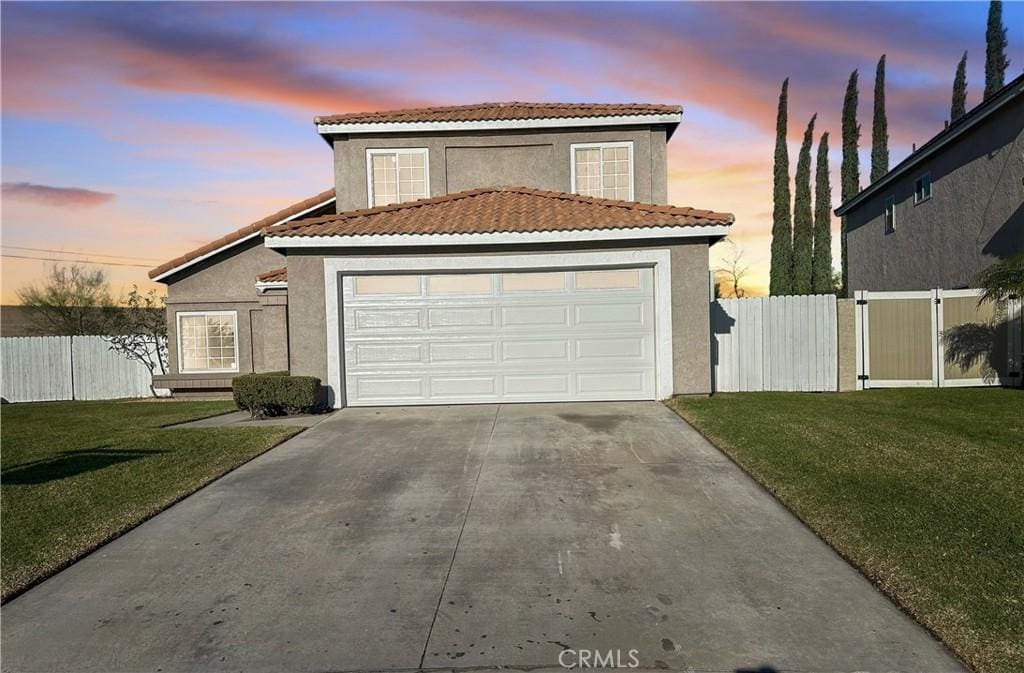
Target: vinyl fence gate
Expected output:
[936,338]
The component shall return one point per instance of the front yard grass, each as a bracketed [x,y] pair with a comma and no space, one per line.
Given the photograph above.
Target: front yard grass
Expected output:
[921,489]
[77,474]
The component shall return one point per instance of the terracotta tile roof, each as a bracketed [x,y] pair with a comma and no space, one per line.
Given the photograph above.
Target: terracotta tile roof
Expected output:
[494,210]
[500,111]
[239,234]
[273,276]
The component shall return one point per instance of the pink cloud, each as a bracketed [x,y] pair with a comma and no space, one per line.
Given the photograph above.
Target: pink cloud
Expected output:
[57,197]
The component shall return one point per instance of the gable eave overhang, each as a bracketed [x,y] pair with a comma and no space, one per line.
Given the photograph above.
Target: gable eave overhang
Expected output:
[712,232]
[349,128]
[264,285]
[227,246]
[974,118]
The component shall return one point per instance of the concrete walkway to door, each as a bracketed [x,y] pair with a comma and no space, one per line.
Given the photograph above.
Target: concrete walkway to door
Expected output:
[465,537]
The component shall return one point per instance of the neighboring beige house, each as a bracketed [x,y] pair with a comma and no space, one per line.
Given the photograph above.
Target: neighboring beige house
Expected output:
[949,210]
[501,252]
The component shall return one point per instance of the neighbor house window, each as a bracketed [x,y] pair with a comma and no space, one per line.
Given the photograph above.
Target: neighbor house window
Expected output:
[923,188]
[603,170]
[890,214]
[396,176]
[207,341]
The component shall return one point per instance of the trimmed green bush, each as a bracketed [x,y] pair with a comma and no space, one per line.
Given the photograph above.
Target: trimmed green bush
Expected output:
[276,394]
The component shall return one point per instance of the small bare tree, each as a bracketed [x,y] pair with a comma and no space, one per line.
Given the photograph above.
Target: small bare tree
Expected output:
[71,300]
[139,331]
[732,271]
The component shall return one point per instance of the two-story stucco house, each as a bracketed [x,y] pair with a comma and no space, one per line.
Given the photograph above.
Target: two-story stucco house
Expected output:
[511,252]
[947,211]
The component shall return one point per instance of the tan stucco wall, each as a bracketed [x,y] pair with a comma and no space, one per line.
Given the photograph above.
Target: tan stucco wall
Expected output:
[691,339]
[846,331]
[230,276]
[691,327]
[974,218]
[464,160]
[227,282]
[307,330]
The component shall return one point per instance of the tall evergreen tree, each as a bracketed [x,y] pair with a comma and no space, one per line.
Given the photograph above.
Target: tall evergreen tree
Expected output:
[959,106]
[879,127]
[849,176]
[803,222]
[821,260]
[781,275]
[995,50]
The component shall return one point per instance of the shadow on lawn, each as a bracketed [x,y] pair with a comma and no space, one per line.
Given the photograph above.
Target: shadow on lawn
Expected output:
[69,464]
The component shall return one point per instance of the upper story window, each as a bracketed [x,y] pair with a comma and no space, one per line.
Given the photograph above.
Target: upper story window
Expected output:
[890,214]
[603,170]
[923,188]
[395,176]
[207,341]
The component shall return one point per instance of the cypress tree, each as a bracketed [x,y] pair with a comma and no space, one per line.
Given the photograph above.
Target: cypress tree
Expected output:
[879,127]
[821,261]
[803,223]
[849,176]
[781,274]
[959,106]
[995,50]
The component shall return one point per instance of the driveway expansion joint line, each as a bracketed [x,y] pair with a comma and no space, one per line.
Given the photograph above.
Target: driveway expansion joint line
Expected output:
[458,539]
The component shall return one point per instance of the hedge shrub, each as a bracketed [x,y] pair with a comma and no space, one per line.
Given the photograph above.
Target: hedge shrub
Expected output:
[276,394]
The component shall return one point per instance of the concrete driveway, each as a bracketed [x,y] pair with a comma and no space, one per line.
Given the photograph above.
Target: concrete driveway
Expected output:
[463,537]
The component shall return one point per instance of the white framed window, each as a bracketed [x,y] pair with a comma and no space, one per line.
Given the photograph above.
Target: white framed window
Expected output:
[397,175]
[923,188]
[614,279]
[890,214]
[372,285]
[459,283]
[533,281]
[603,170]
[207,342]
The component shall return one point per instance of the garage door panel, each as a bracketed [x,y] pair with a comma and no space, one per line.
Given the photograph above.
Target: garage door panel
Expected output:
[387,353]
[531,344]
[461,317]
[527,385]
[387,319]
[517,352]
[455,352]
[630,314]
[456,387]
[380,388]
[629,348]
[626,382]
[534,316]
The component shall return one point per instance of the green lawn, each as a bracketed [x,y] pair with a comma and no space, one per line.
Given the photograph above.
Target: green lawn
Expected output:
[77,474]
[921,489]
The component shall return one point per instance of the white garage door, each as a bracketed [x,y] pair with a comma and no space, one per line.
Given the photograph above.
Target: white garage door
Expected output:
[499,337]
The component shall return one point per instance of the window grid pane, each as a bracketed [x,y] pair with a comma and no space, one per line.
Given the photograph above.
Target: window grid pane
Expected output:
[207,342]
[398,177]
[603,172]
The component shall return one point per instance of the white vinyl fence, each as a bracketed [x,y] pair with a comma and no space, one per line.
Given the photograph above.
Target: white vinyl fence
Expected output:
[774,343]
[43,369]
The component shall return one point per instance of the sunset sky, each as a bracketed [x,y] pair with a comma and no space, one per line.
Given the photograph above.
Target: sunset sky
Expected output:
[139,131]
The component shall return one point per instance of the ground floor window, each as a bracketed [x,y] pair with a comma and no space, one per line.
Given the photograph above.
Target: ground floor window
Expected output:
[207,341]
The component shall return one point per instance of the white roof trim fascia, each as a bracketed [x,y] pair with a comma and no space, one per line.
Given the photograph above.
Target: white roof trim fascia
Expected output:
[926,151]
[495,124]
[263,286]
[389,240]
[248,237]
